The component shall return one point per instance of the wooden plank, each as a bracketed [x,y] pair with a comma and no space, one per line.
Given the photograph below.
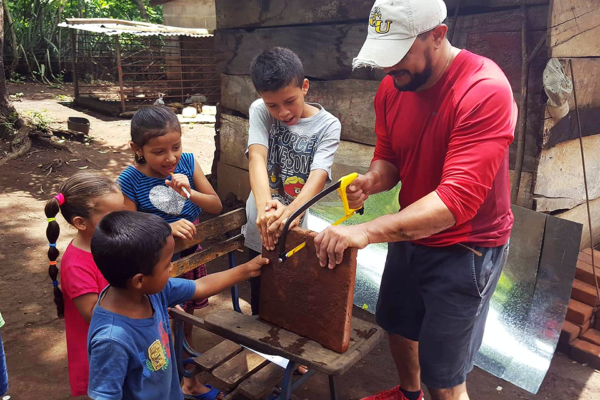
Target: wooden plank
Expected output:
[202,257]
[251,13]
[349,100]
[254,333]
[587,84]
[574,29]
[234,141]
[261,383]
[212,228]
[579,214]
[232,180]
[217,355]
[238,368]
[560,174]
[187,318]
[327,50]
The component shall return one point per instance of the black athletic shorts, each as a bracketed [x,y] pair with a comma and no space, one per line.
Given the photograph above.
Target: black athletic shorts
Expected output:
[439,296]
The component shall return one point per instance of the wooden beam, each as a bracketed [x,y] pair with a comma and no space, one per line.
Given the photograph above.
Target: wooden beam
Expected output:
[213,227]
[202,257]
[574,29]
[252,13]
[327,50]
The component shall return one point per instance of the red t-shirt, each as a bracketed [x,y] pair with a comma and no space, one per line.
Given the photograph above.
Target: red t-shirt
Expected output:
[78,276]
[453,138]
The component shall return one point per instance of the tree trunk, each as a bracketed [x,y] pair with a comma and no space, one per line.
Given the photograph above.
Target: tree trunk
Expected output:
[6,107]
[14,45]
[142,7]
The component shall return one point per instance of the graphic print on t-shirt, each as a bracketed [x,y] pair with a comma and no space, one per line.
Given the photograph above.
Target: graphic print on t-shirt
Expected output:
[158,354]
[289,161]
[167,200]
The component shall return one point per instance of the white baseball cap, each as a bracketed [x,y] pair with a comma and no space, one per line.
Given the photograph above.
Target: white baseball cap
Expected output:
[393,27]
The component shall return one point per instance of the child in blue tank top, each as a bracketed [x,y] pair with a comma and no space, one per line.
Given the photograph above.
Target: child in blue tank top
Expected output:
[169,183]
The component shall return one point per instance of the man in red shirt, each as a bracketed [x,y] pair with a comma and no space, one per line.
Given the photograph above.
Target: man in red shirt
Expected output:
[444,120]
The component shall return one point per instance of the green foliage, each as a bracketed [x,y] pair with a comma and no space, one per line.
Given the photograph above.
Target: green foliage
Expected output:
[41,42]
[40,120]
[15,77]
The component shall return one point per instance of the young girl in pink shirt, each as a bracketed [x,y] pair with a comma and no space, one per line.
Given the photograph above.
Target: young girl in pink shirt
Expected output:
[83,200]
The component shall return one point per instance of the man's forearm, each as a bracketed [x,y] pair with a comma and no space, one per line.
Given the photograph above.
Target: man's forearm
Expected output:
[421,219]
[384,176]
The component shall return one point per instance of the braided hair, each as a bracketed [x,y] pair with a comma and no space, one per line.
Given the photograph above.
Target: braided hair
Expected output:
[76,198]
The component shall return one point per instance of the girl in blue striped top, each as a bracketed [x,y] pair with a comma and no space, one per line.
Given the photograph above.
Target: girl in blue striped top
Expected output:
[170,184]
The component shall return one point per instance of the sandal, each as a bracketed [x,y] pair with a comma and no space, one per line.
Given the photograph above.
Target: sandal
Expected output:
[210,395]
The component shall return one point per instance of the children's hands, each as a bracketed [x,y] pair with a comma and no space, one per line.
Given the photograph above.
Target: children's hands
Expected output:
[253,266]
[277,222]
[268,240]
[183,229]
[180,183]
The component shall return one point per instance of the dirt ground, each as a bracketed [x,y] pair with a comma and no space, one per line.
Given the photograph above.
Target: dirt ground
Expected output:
[34,338]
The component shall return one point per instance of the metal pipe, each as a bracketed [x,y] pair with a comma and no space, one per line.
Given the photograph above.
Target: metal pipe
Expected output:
[120,72]
[587,197]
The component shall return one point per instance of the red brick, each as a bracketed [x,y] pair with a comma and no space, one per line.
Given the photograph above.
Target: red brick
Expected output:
[584,272]
[300,296]
[579,313]
[584,327]
[592,336]
[589,252]
[584,293]
[597,324]
[585,353]
[569,333]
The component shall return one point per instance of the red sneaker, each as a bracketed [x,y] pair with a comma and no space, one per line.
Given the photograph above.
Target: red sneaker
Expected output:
[392,394]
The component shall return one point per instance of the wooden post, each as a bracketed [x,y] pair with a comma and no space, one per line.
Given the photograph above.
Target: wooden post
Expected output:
[74,62]
[120,71]
[521,128]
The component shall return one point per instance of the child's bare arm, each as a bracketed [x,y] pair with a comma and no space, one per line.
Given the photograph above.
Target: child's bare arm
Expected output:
[315,183]
[259,182]
[85,305]
[216,283]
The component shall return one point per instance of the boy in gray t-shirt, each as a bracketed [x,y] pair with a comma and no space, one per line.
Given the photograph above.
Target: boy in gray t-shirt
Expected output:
[291,146]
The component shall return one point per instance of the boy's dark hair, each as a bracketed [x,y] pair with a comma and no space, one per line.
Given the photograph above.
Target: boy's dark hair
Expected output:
[150,122]
[80,193]
[127,243]
[275,69]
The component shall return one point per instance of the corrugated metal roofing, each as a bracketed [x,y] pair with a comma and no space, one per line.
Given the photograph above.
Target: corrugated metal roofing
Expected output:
[118,26]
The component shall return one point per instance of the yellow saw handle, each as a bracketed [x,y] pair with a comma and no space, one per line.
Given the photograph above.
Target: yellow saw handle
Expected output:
[341,185]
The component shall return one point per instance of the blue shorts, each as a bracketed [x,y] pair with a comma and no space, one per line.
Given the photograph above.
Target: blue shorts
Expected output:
[3,371]
[439,296]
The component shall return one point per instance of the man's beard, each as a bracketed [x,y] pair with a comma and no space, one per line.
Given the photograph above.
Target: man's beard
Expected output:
[417,80]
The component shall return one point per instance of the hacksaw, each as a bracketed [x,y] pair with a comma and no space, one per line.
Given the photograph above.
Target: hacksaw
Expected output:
[341,185]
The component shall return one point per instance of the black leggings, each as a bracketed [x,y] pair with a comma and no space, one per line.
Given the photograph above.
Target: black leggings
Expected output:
[254,285]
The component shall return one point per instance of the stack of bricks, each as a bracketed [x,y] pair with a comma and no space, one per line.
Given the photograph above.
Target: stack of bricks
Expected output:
[580,336]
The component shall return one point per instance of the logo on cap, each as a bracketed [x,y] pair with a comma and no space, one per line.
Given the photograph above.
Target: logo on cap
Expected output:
[376,21]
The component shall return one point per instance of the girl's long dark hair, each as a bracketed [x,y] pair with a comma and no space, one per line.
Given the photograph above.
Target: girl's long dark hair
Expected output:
[80,193]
